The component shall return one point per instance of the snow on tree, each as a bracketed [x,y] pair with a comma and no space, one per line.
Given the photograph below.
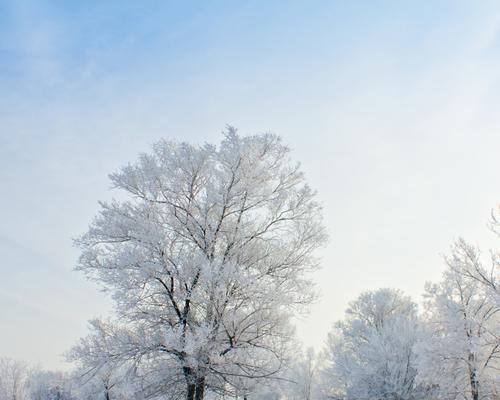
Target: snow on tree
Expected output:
[462,355]
[103,373]
[466,261]
[370,354]
[13,378]
[48,385]
[302,382]
[207,255]
[300,379]
[296,382]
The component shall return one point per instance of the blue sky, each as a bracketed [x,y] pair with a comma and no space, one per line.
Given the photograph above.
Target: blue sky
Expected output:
[392,107]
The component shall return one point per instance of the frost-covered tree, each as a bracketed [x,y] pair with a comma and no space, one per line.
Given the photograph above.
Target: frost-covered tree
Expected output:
[302,378]
[48,385]
[103,373]
[466,261]
[297,381]
[462,357]
[206,254]
[19,381]
[370,354]
[13,378]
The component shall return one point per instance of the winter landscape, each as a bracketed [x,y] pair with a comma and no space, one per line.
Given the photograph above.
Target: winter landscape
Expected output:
[339,241]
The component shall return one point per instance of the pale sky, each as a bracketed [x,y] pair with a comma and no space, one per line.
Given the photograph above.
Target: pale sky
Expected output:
[393,108]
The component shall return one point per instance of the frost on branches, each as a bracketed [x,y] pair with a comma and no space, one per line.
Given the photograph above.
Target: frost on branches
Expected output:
[370,354]
[206,256]
[462,354]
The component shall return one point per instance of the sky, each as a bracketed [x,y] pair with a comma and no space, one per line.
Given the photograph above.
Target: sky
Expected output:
[393,109]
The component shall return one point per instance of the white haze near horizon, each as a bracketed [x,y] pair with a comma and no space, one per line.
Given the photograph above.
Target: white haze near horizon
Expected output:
[392,109]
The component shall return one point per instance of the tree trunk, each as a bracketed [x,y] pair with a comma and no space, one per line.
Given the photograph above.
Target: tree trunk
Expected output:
[200,388]
[190,391]
[474,384]
[191,386]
